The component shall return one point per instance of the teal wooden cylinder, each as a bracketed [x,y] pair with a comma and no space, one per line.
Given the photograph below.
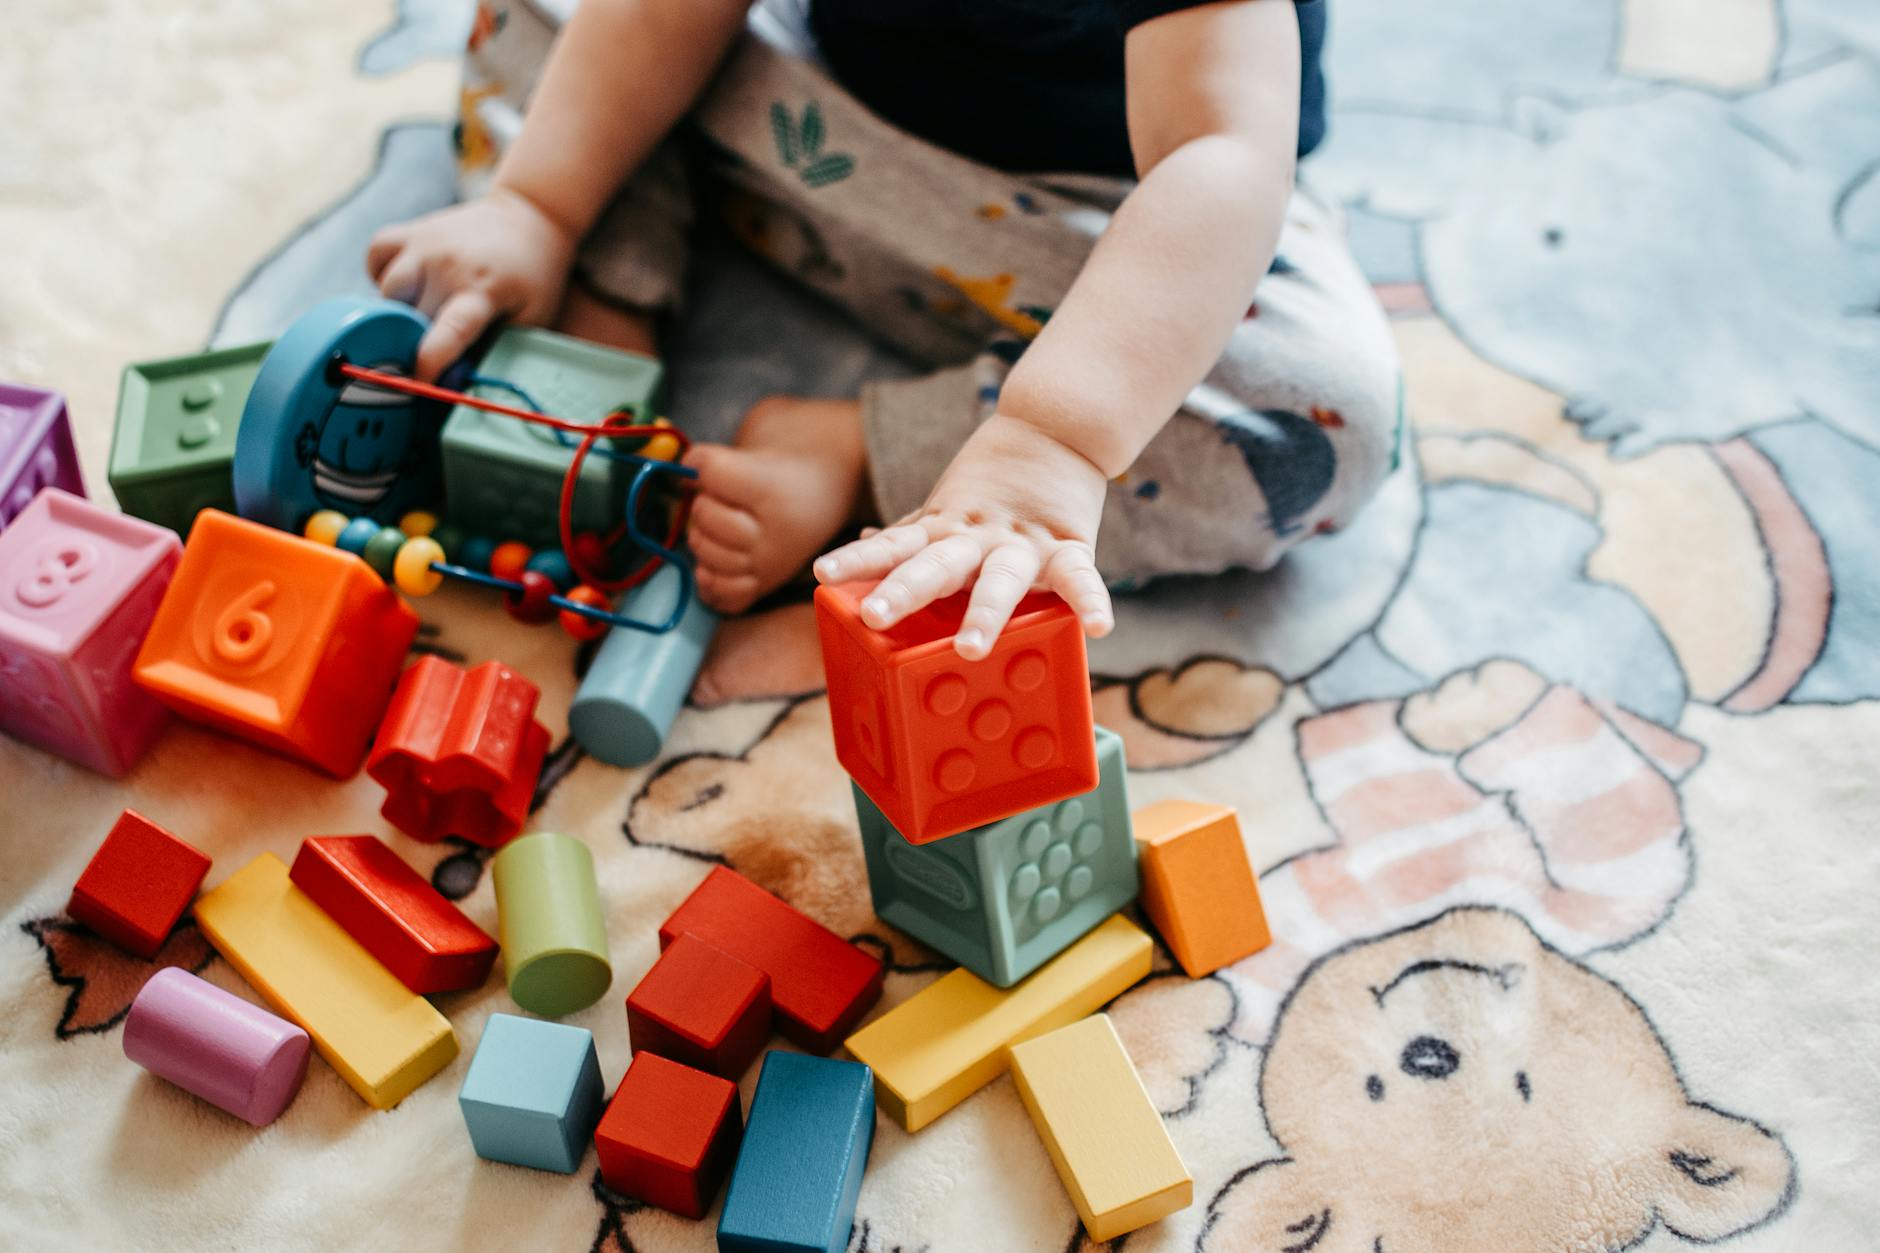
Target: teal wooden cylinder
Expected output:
[554,940]
[633,691]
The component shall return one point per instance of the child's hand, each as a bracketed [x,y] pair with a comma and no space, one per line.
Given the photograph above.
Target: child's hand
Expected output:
[466,266]
[1015,508]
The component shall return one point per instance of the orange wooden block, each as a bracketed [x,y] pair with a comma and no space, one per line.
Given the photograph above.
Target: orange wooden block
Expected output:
[285,642]
[1197,885]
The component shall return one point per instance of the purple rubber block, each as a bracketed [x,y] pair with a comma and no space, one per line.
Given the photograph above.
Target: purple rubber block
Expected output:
[35,448]
[228,1052]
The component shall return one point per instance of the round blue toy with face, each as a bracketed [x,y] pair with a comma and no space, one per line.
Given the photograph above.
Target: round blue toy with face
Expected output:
[311,438]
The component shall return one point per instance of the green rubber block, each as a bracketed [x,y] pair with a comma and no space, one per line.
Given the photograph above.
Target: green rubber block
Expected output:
[175,437]
[549,910]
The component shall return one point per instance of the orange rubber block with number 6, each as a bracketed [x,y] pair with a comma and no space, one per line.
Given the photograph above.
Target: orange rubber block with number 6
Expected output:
[277,639]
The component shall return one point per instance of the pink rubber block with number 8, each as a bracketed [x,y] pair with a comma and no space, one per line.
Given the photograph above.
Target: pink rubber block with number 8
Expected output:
[290,644]
[79,586]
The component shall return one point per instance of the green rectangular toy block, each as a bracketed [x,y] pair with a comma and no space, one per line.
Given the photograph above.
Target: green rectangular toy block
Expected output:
[175,436]
[1003,899]
[503,476]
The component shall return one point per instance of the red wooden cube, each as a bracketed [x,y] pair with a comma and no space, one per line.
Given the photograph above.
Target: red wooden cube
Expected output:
[941,744]
[670,1135]
[701,1006]
[137,885]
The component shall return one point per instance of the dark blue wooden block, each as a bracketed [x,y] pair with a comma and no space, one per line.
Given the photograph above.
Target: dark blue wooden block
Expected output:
[800,1169]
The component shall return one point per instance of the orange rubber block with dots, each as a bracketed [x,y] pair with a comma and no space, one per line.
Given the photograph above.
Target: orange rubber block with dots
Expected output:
[1197,886]
[282,641]
[942,744]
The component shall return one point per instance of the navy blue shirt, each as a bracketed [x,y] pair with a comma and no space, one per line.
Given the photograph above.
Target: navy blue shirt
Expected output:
[1023,85]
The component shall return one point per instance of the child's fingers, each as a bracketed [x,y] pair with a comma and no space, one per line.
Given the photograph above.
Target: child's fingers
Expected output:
[874,556]
[939,569]
[1072,574]
[457,325]
[385,245]
[403,278]
[1004,578]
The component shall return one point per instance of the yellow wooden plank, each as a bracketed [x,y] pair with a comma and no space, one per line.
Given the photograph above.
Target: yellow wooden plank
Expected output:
[381,1037]
[1097,1122]
[950,1039]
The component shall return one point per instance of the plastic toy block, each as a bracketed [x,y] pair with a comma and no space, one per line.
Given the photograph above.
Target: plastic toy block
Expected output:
[1197,885]
[533,1093]
[1101,1129]
[949,1039]
[701,1006]
[799,1172]
[942,745]
[1005,898]
[394,913]
[79,586]
[215,1045]
[670,1135]
[638,679]
[35,448]
[503,476]
[820,984]
[459,752]
[285,642]
[382,1038]
[175,439]
[548,910]
[137,885]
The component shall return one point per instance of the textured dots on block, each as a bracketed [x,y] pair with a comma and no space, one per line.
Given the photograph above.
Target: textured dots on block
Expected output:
[1197,885]
[215,1045]
[137,885]
[799,1172]
[941,744]
[533,1093]
[1003,899]
[459,752]
[701,1006]
[394,913]
[174,443]
[36,449]
[548,909]
[820,984]
[1100,1128]
[79,587]
[670,1135]
[949,1039]
[290,644]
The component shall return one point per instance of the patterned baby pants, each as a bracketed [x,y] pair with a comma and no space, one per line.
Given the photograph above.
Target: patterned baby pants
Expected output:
[958,266]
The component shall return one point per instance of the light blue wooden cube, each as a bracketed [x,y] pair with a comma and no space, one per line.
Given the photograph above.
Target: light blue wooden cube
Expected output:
[799,1170]
[1005,898]
[533,1094]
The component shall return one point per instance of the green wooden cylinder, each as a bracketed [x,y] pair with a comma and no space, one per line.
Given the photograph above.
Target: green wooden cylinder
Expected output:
[548,908]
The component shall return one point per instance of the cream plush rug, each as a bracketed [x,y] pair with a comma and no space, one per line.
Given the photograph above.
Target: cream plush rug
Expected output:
[1559,765]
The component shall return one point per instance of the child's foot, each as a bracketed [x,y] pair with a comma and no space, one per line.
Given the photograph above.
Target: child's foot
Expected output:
[772,500]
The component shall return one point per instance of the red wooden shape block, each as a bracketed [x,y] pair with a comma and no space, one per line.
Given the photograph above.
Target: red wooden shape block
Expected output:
[670,1135]
[394,913]
[942,745]
[137,885]
[701,1006]
[459,752]
[820,984]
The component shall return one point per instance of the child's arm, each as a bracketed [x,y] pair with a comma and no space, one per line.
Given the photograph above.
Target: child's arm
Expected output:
[1214,122]
[621,75]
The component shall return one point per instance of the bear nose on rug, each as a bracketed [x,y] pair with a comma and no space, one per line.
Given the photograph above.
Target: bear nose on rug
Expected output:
[1428,1057]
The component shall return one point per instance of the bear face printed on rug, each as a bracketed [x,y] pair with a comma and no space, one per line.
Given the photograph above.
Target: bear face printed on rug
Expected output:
[1467,1049]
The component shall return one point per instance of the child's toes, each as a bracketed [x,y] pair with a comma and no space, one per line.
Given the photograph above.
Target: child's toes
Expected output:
[727,593]
[736,476]
[720,558]
[728,525]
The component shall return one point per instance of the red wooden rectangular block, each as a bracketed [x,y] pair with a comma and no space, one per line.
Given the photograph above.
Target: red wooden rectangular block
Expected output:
[394,913]
[820,984]
[137,885]
[702,1007]
[670,1135]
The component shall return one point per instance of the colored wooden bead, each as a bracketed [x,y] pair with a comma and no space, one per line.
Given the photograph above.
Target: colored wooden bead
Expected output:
[638,680]
[1100,1128]
[418,523]
[531,605]
[411,569]
[533,1093]
[356,535]
[137,885]
[459,752]
[449,538]
[173,447]
[215,1045]
[820,984]
[325,527]
[701,1006]
[476,553]
[79,587]
[277,639]
[661,447]
[36,450]
[1198,887]
[394,913]
[670,1135]
[949,1039]
[580,626]
[381,551]
[508,561]
[590,550]
[382,1038]
[551,562]
[548,908]
[799,1171]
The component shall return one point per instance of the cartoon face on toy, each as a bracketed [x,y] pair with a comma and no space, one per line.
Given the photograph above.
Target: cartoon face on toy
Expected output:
[357,451]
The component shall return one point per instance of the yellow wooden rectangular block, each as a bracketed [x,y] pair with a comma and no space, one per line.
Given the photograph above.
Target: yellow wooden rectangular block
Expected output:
[380,1036]
[951,1038]
[1198,888]
[1097,1122]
